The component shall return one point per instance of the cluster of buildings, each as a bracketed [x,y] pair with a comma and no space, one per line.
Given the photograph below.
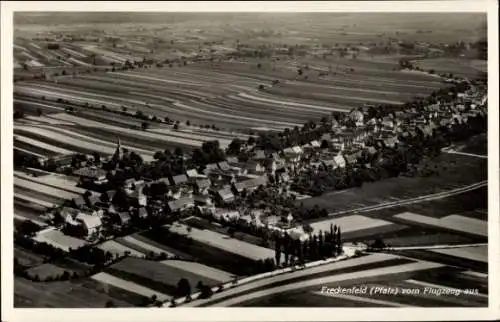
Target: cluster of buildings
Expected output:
[219,184]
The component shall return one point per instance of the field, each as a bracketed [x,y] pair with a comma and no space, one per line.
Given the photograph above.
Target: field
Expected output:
[155,275]
[27,258]
[455,171]
[453,222]
[479,254]
[224,243]
[57,239]
[119,249]
[82,293]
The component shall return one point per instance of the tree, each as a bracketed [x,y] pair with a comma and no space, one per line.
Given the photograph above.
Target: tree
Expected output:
[178,151]
[109,304]
[183,287]
[378,244]
[144,126]
[176,126]
[39,112]
[261,87]
[235,146]
[188,123]
[308,229]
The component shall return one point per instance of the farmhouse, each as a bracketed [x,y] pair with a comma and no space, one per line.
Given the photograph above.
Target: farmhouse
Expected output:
[224,166]
[91,173]
[232,161]
[250,184]
[193,173]
[254,167]
[78,202]
[258,155]
[122,218]
[293,154]
[142,212]
[224,195]
[137,197]
[339,161]
[179,180]
[180,204]
[201,186]
[203,200]
[211,167]
[90,224]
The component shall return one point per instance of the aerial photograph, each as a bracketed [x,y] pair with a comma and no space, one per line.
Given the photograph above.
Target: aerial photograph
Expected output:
[236,159]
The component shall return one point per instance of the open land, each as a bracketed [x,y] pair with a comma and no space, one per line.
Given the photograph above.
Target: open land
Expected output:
[91,82]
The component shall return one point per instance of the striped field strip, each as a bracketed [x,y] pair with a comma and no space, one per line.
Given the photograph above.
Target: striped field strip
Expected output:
[40,144]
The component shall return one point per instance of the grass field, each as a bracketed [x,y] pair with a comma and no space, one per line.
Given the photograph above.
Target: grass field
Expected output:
[460,171]
[155,275]
[85,293]
[27,258]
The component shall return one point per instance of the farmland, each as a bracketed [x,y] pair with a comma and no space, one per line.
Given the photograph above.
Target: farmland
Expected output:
[113,118]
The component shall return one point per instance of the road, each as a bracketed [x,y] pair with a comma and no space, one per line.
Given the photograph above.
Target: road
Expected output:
[451,151]
[404,202]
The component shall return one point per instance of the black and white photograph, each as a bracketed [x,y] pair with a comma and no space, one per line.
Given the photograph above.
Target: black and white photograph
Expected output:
[170,160]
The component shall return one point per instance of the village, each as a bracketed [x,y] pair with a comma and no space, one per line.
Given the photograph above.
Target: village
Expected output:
[253,185]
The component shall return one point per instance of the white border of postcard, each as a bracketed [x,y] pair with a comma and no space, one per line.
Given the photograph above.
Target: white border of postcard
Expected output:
[248,314]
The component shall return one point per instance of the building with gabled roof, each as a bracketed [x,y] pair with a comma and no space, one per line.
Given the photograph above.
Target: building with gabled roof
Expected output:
[181,204]
[224,166]
[179,179]
[90,224]
[250,184]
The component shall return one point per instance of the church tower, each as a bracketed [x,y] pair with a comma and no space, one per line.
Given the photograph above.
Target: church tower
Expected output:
[118,152]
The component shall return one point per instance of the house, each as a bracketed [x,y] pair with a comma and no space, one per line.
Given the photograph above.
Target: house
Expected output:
[193,173]
[258,155]
[339,161]
[175,193]
[391,141]
[224,166]
[179,180]
[254,167]
[201,186]
[203,200]
[329,163]
[211,167]
[91,200]
[107,195]
[315,144]
[180,204]
[78,202]
[351,158]
[387,122]
[122,218]
[371,150]
[284,177]
[326,137]
[142,212]
[90,224]
[68,214]
[357,117]
[91,174]
[293,154]
[138,198]
[250,184]
[275,156]
[224,195]
[232,160]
